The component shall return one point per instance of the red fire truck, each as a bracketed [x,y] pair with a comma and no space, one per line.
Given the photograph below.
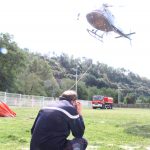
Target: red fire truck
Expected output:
[103,102]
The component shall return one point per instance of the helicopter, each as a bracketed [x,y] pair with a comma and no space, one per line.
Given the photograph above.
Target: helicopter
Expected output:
[103,20]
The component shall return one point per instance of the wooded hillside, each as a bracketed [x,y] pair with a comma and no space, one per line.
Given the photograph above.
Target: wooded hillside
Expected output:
[33,74]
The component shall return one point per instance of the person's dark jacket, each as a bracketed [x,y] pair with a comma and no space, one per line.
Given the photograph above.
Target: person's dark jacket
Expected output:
[53,124]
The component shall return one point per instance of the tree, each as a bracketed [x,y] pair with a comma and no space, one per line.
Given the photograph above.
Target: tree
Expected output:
[11,64]
[82,91]
[130,98]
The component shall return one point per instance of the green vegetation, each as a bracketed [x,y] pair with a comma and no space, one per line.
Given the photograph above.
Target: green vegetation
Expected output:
[105,129]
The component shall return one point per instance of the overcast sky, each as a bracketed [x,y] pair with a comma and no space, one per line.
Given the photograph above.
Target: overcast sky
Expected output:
[46,26]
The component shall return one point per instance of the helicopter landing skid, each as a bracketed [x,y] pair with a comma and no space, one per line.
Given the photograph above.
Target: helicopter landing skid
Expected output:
[95,35]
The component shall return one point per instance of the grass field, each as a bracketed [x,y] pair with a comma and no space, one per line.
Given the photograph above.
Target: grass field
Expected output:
[116,129]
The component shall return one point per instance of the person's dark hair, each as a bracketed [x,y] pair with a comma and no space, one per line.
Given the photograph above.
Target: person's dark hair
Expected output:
[68,95]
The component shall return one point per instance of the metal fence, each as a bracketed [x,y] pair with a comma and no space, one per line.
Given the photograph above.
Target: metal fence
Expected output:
[19,100]
[139,105]
[14,99]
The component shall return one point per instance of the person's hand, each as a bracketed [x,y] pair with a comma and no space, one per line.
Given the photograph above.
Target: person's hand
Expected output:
[78,106]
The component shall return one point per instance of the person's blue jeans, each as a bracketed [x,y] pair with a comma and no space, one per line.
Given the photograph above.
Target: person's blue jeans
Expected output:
[76,144]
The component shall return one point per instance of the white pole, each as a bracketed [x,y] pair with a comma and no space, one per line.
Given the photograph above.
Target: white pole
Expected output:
[76,80]
[5,97]
[43,101]
[119,94]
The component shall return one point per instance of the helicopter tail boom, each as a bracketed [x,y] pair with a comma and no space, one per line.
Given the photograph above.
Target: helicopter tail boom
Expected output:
[121,33]
[126,34]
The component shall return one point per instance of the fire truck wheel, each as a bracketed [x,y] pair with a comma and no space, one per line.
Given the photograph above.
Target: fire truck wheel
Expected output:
[103,106]
[111,106]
